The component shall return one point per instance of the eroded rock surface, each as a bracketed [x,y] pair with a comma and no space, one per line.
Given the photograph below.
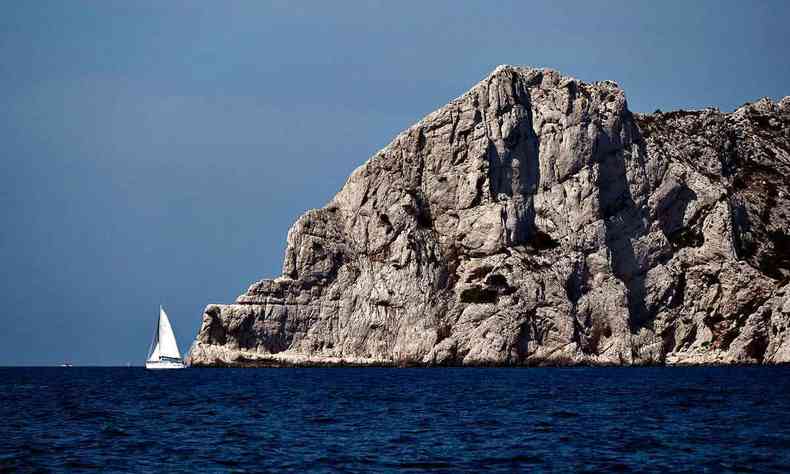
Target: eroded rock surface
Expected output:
[535,220]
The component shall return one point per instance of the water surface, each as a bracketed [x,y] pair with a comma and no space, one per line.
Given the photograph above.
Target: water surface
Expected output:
[733,419]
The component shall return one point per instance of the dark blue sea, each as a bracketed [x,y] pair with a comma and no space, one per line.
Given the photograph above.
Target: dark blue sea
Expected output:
[733,419]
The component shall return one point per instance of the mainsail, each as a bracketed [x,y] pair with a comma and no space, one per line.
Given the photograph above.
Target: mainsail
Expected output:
[164,343]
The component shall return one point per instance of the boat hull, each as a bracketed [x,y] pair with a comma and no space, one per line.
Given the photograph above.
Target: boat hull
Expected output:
[163,364]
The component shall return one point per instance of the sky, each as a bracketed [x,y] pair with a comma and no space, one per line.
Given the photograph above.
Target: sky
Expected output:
[157,152]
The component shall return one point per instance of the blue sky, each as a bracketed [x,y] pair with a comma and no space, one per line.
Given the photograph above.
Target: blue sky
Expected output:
[157,152]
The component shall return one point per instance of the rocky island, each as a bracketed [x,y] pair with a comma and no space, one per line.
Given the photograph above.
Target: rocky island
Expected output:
[536,221]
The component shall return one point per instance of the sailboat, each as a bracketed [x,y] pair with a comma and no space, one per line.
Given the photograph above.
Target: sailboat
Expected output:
[163,353]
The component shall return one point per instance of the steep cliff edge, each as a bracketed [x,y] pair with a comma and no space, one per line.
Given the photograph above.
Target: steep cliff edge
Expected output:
[535,220]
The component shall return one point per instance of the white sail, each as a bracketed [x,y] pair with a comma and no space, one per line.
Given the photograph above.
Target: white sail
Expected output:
[167,340]
[164,343]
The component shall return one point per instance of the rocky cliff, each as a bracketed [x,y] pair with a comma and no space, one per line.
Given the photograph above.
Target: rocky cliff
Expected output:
[536,221]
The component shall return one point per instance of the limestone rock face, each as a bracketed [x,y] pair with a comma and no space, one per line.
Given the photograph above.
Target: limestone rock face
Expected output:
[536,221]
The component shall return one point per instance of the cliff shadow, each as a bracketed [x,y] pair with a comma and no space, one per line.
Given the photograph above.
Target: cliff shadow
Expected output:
[670,213]
[514,177]
[624,222]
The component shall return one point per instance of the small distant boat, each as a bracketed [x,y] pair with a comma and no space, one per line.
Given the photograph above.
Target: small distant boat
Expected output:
[163,353]
[67,364]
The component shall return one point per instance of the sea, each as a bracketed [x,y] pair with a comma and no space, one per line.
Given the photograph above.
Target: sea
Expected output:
[694,419]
